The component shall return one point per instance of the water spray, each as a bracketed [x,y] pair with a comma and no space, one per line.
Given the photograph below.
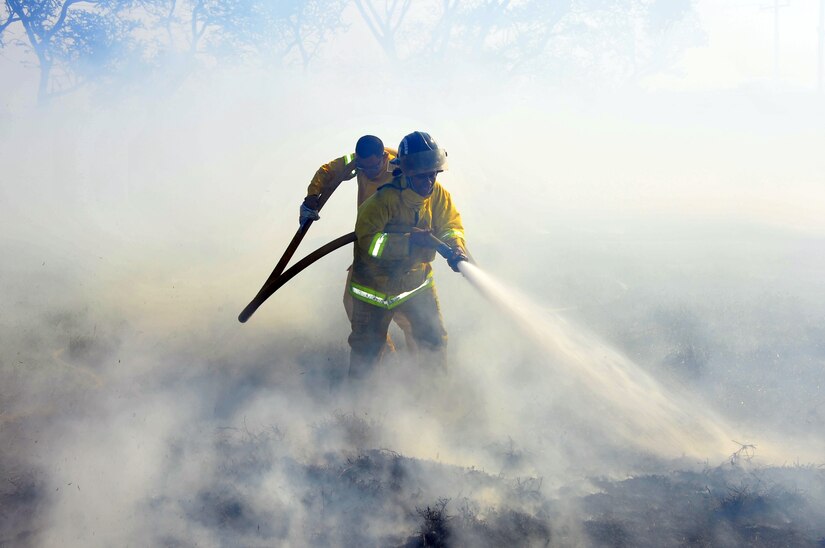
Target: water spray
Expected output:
[642,411]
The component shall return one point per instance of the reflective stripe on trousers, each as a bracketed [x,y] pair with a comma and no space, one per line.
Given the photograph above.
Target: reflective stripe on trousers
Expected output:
[382,300]
[369,331]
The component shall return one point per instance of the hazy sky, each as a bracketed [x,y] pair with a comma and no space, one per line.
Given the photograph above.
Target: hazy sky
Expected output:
[740,48]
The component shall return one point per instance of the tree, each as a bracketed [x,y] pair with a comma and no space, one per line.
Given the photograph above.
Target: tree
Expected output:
[8,18]
[624,37]
[77,42]
[384,22]
[72,40]
[262,29]
[308,28]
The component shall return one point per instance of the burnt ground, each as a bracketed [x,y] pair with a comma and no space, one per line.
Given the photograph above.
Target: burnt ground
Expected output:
[377,497]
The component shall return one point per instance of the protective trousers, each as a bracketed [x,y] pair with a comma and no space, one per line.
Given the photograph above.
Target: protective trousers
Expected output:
[369,332]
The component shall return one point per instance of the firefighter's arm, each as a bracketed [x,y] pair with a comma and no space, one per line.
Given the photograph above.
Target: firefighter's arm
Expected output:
[447,225]
[331,174]
[448,228]
[370,229]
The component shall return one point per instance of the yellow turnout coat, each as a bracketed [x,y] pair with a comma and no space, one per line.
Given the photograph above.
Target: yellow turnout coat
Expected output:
[387,270]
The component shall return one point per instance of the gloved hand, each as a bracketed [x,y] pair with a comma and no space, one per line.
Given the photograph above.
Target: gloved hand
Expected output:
[457,256]
[309,209]
[421,237]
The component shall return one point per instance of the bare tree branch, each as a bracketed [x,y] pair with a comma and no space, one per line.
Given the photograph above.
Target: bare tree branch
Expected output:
[445,27]
[197,34]
[384,27]
[13,18]
[169,18]
[404,9]
[64,11]
[368,19]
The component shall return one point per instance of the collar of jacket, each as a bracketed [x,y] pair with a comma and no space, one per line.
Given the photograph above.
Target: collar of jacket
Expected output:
[409,197]
[412,199]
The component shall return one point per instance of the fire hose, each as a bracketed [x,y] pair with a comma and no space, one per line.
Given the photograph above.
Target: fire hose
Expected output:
[267,289]
[276,282]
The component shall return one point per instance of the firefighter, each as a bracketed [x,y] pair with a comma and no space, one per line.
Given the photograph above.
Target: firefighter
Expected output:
[391,271]
[370,165]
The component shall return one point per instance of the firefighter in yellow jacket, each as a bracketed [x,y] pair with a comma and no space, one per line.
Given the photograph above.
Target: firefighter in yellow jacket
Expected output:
[371,168]
[391,271]
[369,165]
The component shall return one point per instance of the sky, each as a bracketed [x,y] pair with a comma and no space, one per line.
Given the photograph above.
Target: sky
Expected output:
[741,47]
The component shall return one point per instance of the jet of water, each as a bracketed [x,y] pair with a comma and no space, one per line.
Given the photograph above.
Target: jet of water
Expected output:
[638,409]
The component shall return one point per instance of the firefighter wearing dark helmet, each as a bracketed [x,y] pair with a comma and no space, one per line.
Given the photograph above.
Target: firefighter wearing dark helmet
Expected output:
[391,270]
[371,167]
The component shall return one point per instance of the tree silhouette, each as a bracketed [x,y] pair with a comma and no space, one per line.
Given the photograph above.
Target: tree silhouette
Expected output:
[76,42]
[384,21]
[260,29]
[9,17]
[72,40]
[626,37]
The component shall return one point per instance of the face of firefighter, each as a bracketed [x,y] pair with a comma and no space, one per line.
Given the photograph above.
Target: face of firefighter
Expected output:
[423,183]
[371,166]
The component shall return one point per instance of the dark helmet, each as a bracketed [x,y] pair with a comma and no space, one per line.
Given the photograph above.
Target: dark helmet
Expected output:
[419,153]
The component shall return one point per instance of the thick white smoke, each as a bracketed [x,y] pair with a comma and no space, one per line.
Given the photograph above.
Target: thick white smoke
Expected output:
[136,410]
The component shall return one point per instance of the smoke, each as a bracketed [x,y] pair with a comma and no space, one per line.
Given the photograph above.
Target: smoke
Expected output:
[669,257]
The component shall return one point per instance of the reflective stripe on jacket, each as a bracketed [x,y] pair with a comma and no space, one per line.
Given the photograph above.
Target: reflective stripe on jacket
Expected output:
[340,168]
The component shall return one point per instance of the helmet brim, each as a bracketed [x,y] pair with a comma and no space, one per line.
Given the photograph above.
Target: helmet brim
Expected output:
[425,161]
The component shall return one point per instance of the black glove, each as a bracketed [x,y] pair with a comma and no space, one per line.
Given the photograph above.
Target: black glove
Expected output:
[421,237]
[313,201]
[457,256]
